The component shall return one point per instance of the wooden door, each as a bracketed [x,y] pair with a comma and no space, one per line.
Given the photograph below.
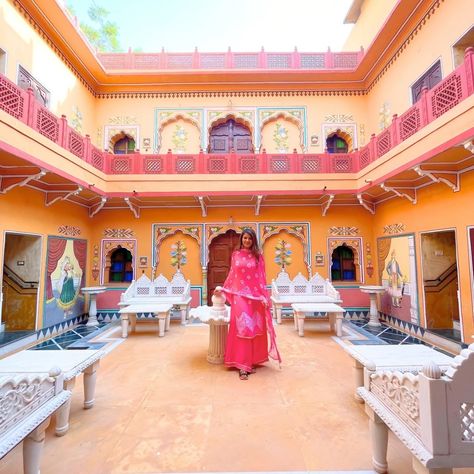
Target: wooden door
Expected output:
[230,136]
[220,253]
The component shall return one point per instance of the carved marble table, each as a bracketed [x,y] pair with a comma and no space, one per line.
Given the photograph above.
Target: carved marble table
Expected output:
[218,317]
[402,358]
[334,312]
[373,291]
[72,363]
[93,291]
[162,311]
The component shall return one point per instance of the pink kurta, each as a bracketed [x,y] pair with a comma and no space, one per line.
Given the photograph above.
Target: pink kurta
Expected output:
[250,319]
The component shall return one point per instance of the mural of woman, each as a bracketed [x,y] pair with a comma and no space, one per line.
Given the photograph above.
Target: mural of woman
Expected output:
[395,278]
[65,286]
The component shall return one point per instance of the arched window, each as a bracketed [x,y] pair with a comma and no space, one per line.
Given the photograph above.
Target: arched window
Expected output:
[121,269]
[124,146]
[336,144]
[343,267]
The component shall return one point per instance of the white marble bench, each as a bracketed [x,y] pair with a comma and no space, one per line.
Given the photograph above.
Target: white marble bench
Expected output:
[27,402]
[286,292]
[71,362]
[162,312]
[334,312]
[176,292]
[402,358]
[431,413]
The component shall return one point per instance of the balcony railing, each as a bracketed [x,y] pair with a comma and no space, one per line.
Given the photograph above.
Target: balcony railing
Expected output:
[448,93]
[230,60]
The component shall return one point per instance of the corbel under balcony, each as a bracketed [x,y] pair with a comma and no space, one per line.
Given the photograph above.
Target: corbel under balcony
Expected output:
[259,203]
[7,183]
[327,204]
[63,195]
[203,206]
[409,194]
[94,209]
[450,178]
[370,206]
[133,207]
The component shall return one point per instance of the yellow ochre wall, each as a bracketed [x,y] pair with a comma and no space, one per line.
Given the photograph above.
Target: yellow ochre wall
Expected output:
[432,43]
[373,14]
[26,47]
[437,208]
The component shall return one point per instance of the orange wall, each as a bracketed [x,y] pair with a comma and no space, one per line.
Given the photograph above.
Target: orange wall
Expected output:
[437,208]
[23,211]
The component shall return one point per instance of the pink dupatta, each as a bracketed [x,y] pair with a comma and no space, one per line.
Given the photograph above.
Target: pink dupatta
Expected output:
[245,287]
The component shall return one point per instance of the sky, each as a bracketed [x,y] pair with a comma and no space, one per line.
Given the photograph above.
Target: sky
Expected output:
[215,25]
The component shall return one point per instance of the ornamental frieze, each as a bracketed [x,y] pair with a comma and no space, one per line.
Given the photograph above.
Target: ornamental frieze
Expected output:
[394,229]
[334,230]
[111,233]
[69,230]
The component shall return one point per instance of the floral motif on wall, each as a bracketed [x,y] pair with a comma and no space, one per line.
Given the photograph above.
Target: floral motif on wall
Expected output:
[283,254]
[95,262]
[178,255]
[280,137]
[369,267]
[69,230]
[334,230]
[384,116]
[179,139]
[394,228]
[76,119]
[118,233]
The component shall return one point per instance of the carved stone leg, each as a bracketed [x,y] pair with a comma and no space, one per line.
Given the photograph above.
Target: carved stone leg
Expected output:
[62,413]
[339,317]
[278,313]
[379,435]
[167,319]
[300,317]
[124,322]
[420,469]
[161,325]
[133,322]
[33,447]
[183,314]
[358,370]
[295,320]
[90,377]
[332,317]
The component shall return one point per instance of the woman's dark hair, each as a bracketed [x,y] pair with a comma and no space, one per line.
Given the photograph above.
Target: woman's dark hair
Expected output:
[254,249]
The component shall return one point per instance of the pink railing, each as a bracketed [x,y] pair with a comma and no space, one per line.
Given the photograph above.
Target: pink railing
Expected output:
[230,60]
[448,93]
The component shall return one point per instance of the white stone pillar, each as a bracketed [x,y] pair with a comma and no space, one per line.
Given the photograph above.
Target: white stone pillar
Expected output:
[415,318]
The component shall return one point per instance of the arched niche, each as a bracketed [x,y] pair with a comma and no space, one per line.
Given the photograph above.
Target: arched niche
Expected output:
[346,131]
[240,120]
[108,249]
[268,131]
[179,133]
[355,244]
[114,133]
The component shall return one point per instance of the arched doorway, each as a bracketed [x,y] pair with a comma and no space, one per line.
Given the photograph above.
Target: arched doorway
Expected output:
[220,253]
[343,267]
[229,136]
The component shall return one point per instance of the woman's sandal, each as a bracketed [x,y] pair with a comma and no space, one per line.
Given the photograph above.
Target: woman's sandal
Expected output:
[243,375]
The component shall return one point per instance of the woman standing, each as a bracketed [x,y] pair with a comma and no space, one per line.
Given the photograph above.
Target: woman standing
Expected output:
[250,319]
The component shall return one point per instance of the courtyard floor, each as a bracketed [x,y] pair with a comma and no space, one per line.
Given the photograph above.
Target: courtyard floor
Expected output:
[161,407]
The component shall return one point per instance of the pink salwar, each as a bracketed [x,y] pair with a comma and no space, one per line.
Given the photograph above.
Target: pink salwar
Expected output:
[250,318]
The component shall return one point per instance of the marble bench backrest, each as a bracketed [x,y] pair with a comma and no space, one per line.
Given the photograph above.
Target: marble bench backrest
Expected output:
[437,409]
[299,286]
[178,288]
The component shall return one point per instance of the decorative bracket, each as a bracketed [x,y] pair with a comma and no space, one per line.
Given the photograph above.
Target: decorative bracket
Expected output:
[133,207]
[370,206]
[327,204]
[203,206]
[409,194]
[48,202]
[450,178]
[18,181]
[259,203]
[93,210]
